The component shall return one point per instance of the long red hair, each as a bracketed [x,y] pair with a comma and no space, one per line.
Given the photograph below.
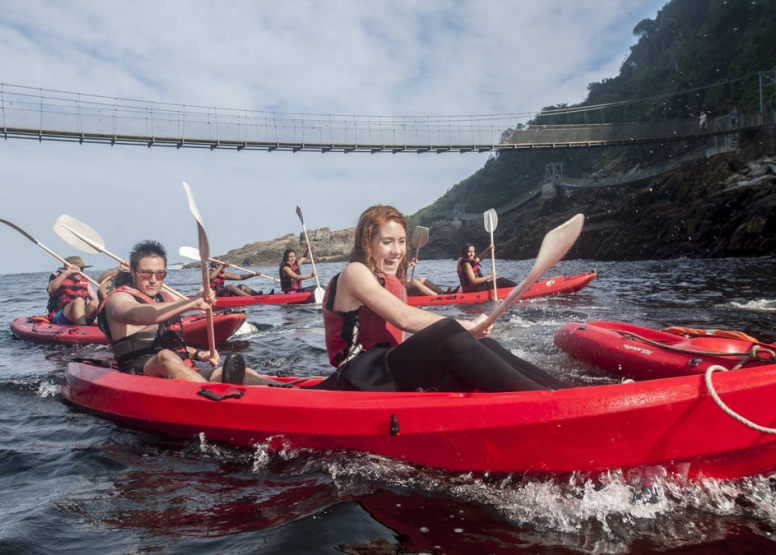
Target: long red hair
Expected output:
[368,226]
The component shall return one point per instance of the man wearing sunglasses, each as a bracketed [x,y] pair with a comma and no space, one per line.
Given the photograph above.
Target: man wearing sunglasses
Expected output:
[143,324]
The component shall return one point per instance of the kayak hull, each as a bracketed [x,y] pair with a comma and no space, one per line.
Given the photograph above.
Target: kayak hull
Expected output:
[672,424]
[558,285]
[642,353]
[194,330]
[303,297]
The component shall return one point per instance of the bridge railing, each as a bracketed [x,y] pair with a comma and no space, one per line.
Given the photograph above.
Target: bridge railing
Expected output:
[45,114]
[55,113]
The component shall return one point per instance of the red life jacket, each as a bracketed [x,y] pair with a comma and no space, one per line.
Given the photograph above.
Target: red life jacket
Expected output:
[287,283]
[349,333]
[130,350]
[466,286]
[218,284]
[69,291]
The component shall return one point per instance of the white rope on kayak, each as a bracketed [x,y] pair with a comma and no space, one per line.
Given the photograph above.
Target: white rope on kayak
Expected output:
[709,371]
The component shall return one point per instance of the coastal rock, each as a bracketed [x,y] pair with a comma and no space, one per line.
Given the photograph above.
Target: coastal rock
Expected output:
[327,245]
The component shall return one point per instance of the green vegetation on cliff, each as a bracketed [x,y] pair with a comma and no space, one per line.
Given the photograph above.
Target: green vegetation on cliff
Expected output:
[695,55]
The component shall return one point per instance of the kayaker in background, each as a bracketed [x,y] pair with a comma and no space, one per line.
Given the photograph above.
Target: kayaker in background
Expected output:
[72,300]
[218,277]
[122,267]
[425,287]
[365,317]
[469,273]
[290,278]
[143,325]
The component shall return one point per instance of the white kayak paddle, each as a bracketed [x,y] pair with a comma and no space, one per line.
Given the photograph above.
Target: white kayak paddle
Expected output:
[491,221]
[555,245]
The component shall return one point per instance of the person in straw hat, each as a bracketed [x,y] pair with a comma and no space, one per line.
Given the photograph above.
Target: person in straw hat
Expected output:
[72,301]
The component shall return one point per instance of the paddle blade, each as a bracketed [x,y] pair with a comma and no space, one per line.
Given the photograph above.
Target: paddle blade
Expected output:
[189,252]
[299,213]
[204,245]
[204,253]
[78,235]
[318,295]
[420,237]
[555,245]
[491,220]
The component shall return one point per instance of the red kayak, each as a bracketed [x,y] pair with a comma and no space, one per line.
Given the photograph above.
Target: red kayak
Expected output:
[643,354]
[671,425]
[558,285]
[39,330]
[275,298]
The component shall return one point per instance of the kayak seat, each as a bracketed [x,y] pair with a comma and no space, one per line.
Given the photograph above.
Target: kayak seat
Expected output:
[716,344]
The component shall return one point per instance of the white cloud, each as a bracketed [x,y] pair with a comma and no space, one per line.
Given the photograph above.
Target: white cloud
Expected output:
[340,57]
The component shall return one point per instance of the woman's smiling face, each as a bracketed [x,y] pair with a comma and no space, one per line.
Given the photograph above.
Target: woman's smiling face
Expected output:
[389,247]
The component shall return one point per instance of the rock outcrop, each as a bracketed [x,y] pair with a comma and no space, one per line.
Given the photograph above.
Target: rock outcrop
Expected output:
[327,245]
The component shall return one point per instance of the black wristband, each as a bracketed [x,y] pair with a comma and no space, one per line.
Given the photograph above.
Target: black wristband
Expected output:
[196,354]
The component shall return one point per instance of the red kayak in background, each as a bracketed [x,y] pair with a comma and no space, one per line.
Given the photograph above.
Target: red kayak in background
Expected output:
[39,330]
[558,285]
[671,425]
[644,354]
[303,297]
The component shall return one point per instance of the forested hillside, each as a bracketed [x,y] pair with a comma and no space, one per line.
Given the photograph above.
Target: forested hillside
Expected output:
[695,55]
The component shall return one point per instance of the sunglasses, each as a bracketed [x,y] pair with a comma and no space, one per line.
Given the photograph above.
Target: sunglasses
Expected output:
[160,275]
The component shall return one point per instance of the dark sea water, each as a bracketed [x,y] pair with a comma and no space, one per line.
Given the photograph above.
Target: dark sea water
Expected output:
[71,482]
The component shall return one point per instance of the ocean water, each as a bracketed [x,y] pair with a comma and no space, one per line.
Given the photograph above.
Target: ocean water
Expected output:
[71,482]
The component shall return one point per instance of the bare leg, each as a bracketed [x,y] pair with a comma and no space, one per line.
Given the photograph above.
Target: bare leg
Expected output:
[251,377]
[91,310]
[166,364]
[248,290]
[424,286]
[236,291]
[75,311]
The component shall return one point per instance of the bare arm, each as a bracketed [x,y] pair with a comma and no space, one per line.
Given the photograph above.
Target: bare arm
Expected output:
[358,287]
[125,309]
[238,276]
[215,271]
[485,253]
[289,272]
[123,267]
[57,282]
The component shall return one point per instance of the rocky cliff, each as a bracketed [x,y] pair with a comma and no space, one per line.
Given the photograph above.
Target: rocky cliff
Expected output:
[720,206]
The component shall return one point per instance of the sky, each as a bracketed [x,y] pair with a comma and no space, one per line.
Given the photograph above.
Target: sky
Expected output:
[429,57]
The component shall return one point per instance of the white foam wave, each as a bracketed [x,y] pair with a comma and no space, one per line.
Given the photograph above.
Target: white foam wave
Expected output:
[757,305]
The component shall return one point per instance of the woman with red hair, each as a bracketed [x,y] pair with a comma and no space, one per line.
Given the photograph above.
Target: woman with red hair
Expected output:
[366,317]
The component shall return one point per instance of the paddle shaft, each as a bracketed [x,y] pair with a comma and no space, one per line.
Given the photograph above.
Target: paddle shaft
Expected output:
[412,276]
[554,246]
[309,250]
[45,248]
[259,274]
[493,267]
[419,239]
[492,256]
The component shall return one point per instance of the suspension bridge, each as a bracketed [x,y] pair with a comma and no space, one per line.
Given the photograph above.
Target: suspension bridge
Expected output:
[52,115]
